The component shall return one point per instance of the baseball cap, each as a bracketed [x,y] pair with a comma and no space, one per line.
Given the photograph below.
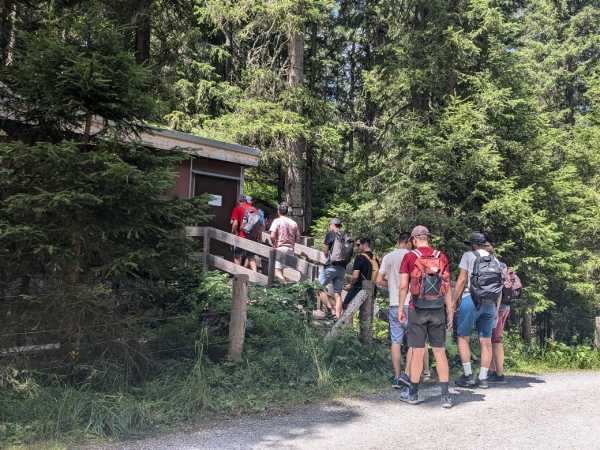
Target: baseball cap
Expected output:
[420,230]
[335,221]
[476,238]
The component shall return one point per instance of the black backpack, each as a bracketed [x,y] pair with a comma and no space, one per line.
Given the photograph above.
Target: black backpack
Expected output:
[486,281]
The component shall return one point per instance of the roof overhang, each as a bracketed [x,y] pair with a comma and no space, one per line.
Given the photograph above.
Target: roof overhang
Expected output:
[163,139]
[200,146]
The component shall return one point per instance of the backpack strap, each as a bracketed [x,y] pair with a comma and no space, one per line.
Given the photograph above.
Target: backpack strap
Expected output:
[436,254]
[417,252]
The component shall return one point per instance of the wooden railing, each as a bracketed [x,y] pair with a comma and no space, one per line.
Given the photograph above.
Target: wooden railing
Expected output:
[306,261]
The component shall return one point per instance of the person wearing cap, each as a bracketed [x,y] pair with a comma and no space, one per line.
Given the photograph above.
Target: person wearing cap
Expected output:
[334,271]
[284,235]
[469,317]
[430,313]
[240,257]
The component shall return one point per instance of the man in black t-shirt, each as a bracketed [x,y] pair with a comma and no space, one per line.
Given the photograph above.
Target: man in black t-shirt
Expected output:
[362,269]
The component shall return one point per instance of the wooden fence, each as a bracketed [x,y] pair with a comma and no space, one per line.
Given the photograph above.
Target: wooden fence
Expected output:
[305,261]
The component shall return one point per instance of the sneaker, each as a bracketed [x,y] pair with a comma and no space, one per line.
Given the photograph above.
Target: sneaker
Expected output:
[447,401]
[404,379]
[495,378]
[483,384]
[426,376]
[396,384]
[466,381]
[407,397]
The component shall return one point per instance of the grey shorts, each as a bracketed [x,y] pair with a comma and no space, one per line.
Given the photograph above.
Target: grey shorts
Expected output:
[334,275]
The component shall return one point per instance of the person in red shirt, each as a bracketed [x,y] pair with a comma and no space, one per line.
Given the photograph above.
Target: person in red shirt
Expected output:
[427,272]
[241,257]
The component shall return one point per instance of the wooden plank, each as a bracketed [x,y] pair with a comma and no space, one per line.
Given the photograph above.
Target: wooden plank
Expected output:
[346,318]
[310,253]
[597,333]
[206,248]
[227,266]
[236,241]
[305,268]
[194,231]
[271,268]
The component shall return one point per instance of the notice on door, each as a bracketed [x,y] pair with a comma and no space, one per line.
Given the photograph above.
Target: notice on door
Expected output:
[215,200]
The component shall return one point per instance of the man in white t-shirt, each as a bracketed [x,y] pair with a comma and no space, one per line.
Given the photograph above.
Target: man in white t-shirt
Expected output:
[482,317]
[389,276]
[284,235]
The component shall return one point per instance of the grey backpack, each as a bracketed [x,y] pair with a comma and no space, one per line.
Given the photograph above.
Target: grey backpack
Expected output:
[341,250]
[486,282]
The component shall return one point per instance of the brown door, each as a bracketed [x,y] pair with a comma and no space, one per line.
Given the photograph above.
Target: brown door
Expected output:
[225,193]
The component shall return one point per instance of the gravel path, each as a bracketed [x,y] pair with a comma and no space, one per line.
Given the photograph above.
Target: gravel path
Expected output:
[546,412]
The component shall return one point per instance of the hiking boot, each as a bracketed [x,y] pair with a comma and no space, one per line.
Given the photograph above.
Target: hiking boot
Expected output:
[426,376]
[483,384]
[447,402]
[396,384]
[404,379]
[407,397]
[495,378]
[466,381]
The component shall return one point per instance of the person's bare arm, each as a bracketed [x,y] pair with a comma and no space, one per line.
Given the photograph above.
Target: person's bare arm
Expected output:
[460,287]
[325,250]
[402,296]
[234,226]
[273,237]
[449,308]
[382,281]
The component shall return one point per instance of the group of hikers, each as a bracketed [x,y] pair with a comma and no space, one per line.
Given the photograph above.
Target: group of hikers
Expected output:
[424,303]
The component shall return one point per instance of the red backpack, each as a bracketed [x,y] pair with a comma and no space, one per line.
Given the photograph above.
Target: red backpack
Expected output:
[429,281]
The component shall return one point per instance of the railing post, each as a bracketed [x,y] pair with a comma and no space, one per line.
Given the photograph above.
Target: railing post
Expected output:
[271,267]
[366,313]
[205,248]
[597,333]
[237,322]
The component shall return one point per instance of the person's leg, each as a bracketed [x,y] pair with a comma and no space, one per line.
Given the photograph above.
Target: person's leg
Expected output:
[498,358]
[416,334]
[485,325]
[426,366]
[465,321]
[279,271]
[497,365]
[252,262]
[338,285]
[436,330]
[408,361]
[396,334]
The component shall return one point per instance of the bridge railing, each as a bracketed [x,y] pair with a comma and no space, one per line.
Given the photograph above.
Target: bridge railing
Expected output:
[306,261]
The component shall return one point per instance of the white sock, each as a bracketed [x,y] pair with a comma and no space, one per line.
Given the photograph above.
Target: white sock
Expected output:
[483,371]
[467,369]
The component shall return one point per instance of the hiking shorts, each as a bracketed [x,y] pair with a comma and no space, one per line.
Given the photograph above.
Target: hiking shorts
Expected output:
[426,323]
[334,275]
[498,330]
[397,328]
[469,317]
[278,264]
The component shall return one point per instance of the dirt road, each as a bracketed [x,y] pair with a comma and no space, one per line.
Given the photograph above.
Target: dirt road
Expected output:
[546,412]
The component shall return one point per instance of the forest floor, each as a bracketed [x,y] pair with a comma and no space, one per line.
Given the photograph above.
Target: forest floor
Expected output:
[551,411]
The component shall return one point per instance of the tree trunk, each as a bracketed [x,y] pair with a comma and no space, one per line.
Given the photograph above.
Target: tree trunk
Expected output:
[8,16]
[294,182]
[527,327]
[142,32]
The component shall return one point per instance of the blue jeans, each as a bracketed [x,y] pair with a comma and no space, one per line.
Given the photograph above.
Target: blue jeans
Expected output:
[397,328]
[334,275]
[469,317]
